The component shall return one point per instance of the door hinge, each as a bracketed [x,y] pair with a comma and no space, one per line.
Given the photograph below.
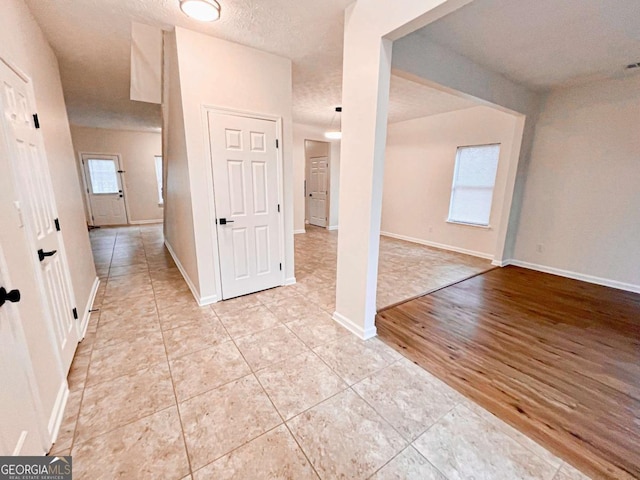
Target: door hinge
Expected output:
[36,120]
[280,267]
[57,223]
[277,143]
[75,313]
[278,208]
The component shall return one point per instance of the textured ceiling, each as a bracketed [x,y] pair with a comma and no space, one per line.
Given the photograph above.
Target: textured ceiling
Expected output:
[544,43]
[92,41]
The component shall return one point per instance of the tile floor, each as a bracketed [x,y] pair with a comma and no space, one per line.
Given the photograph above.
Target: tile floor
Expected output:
[264,386]
[406,269]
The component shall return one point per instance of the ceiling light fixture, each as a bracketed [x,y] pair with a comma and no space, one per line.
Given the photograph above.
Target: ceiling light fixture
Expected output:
[333,134]
[203,10]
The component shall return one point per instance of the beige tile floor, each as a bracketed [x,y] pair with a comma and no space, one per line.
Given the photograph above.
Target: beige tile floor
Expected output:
[264,386]
[406,269]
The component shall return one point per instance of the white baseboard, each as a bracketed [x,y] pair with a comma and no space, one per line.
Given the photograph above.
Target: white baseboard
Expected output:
[578,276]
[298,232]
[57,414]
[87,314]
[202,301]
[438,245]
[145,222]
[332,228]
[355,329]
[290,281]
[501,263]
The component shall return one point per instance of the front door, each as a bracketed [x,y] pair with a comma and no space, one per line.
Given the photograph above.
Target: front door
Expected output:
[245,182]
[104,187]
[19,434]
[26,152]
[318,191]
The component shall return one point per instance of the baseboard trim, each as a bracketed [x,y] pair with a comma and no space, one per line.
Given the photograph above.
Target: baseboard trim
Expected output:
[629,287]
[355,329]
[57,414]
[441,246]
[145,222]
[290,281]
[202,301]
[298,232]
[332,228]
[501,263]
[84,324]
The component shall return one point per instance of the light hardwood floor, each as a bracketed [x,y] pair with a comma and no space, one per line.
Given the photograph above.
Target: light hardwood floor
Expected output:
[556,358]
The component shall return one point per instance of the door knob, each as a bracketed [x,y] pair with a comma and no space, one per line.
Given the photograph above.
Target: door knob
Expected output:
[13,296]
[42,254]
[311,194]
[224,221]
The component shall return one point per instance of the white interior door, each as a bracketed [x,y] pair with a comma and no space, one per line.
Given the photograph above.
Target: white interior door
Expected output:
[20,433]
[39,209]
[318,189]
[245,180]
[104,188]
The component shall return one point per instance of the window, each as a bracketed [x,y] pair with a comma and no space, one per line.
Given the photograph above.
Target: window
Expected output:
[159,178]
[103,176]
[473,181]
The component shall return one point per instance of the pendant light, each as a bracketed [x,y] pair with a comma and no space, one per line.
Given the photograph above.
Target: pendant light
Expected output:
[203,10]
[334,134]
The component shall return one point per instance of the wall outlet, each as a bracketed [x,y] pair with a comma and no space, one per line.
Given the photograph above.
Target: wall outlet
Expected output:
[540,248]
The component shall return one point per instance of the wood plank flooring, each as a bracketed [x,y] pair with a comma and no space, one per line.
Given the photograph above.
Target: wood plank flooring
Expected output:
[556,358]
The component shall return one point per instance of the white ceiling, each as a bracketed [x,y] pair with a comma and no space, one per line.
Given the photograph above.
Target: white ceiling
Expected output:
[544,43]
[92,41]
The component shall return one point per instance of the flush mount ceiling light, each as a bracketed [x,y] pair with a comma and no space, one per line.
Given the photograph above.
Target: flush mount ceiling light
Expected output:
[203,10]
[333,134]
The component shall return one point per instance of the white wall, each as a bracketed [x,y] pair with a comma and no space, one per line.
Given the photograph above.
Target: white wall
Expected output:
[301,133]
[137,151]
[178,213]
[433,64]
[582,196]
[418,174]
[217,73]
[24,45]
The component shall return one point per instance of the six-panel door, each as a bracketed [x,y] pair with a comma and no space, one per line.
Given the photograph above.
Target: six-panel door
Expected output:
[245,179]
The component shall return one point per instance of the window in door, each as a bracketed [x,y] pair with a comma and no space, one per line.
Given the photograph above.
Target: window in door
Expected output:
[158,160]
[103,176]
[474,179]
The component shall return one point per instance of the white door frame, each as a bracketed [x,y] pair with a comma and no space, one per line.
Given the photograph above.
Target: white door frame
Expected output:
[209,178]
[307,215]
[85,183]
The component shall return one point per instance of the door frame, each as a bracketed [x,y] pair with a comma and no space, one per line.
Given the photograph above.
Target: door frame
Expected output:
[206,109]
[85,184]
[307,216]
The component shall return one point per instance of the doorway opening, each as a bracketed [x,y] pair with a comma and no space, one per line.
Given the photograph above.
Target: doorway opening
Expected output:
[104,189]
[317,157]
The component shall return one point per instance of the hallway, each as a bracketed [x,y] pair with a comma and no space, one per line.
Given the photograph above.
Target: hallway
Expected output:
[263,386]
